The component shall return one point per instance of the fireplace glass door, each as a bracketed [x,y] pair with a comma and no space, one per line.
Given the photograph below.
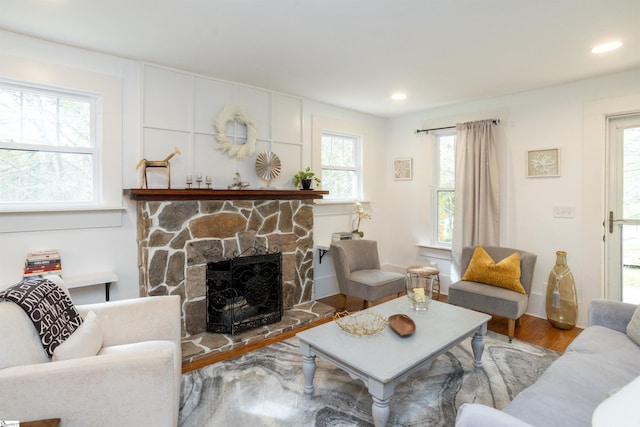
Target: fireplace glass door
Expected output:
[244,293]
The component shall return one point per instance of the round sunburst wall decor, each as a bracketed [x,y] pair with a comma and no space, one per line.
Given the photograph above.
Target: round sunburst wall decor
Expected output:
[233,113]
[268,166]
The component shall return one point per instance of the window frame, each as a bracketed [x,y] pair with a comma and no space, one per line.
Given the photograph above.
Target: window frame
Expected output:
[357,168]
[437,187]
[112,131]
[94,149]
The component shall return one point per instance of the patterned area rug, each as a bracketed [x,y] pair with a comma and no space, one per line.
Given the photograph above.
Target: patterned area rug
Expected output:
[266,388]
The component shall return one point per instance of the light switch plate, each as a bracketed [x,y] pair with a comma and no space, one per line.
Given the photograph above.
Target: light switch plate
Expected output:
[564,211]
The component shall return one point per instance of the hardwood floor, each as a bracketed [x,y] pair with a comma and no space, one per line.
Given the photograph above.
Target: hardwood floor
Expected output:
[532,329]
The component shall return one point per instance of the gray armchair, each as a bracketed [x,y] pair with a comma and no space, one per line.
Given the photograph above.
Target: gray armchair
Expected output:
[492,299]
[358,272]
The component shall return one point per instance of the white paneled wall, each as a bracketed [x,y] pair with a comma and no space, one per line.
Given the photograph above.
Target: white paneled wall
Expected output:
[180,110]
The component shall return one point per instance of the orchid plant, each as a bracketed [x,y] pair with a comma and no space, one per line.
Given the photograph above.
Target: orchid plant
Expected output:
[361,214]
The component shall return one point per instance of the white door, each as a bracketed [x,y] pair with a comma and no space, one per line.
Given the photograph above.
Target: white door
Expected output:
[622,225]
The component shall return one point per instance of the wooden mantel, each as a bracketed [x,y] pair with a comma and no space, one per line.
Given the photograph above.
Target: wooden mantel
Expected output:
[157,194]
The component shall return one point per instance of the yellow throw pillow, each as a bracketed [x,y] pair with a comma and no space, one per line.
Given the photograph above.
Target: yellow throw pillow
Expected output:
[505,274]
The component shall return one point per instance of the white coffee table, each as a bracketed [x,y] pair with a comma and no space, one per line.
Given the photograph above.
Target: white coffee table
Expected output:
[383,360]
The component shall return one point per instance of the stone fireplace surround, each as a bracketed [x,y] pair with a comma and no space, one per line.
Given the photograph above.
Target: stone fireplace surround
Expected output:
[179,231]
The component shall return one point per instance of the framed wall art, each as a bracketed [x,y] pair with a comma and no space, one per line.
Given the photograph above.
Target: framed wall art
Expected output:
[543,163]
[402,169]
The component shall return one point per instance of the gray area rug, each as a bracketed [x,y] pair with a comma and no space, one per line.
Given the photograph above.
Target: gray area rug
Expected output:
[266,388]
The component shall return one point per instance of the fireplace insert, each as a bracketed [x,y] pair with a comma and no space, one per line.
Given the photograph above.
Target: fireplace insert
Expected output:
[244,292]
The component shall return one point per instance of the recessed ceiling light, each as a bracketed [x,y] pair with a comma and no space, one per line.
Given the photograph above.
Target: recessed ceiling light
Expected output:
[606,47]
[398,96]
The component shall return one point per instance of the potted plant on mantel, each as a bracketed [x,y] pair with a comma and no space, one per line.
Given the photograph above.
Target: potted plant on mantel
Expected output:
[304,178]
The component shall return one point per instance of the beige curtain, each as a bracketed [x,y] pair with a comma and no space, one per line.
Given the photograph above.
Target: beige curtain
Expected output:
[476,219]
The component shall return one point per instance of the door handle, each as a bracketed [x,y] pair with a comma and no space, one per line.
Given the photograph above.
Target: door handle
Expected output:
[612,221]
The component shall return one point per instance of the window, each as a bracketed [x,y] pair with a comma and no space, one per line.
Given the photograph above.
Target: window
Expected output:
[48,150]
[444,189]
[341,165]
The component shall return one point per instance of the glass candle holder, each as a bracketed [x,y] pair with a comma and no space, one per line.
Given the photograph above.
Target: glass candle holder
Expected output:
[419,288]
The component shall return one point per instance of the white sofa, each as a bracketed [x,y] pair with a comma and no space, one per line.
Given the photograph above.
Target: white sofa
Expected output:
[134,380]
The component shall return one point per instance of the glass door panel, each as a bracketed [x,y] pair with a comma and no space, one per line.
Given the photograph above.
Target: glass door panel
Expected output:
[631,263]
[623,237]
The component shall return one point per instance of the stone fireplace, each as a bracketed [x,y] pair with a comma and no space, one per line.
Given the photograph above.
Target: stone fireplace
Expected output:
[181,231]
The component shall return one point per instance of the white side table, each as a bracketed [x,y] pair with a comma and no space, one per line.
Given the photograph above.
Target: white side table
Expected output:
[105,278]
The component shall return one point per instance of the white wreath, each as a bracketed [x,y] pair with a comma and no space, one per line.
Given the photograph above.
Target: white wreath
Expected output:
[224,144]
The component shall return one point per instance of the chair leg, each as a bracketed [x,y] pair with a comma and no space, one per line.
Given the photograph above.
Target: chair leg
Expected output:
[342,300]
[512,329]
[366,304]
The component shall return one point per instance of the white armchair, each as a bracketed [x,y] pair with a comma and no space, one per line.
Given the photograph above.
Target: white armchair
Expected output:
[134,380]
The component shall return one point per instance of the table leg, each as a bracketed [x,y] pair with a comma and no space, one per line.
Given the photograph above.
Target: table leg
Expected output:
[477,345]
[380,411]
[309,370]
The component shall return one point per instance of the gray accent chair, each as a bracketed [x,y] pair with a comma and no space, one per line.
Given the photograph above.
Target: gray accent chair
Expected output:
[359,274]
[493,299]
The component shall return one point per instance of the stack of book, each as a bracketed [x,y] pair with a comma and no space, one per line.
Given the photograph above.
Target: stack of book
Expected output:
[43,262]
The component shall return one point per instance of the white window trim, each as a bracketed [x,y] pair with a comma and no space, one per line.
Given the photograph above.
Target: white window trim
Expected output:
[109,130]
[47,220]
[94,150]
[358,168]
[436,188]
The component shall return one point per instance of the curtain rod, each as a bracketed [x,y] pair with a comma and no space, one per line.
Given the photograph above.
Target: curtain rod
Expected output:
[495,122]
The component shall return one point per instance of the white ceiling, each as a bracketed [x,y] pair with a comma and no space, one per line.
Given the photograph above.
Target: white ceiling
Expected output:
[353,53]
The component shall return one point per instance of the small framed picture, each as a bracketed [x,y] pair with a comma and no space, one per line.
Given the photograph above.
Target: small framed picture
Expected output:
[543,163]
[402,169]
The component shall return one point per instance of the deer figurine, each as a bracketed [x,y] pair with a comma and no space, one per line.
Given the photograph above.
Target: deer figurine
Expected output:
[156,164]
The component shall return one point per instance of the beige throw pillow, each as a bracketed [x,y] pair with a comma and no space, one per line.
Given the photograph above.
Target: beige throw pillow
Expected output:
[86,341]
[633,327]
